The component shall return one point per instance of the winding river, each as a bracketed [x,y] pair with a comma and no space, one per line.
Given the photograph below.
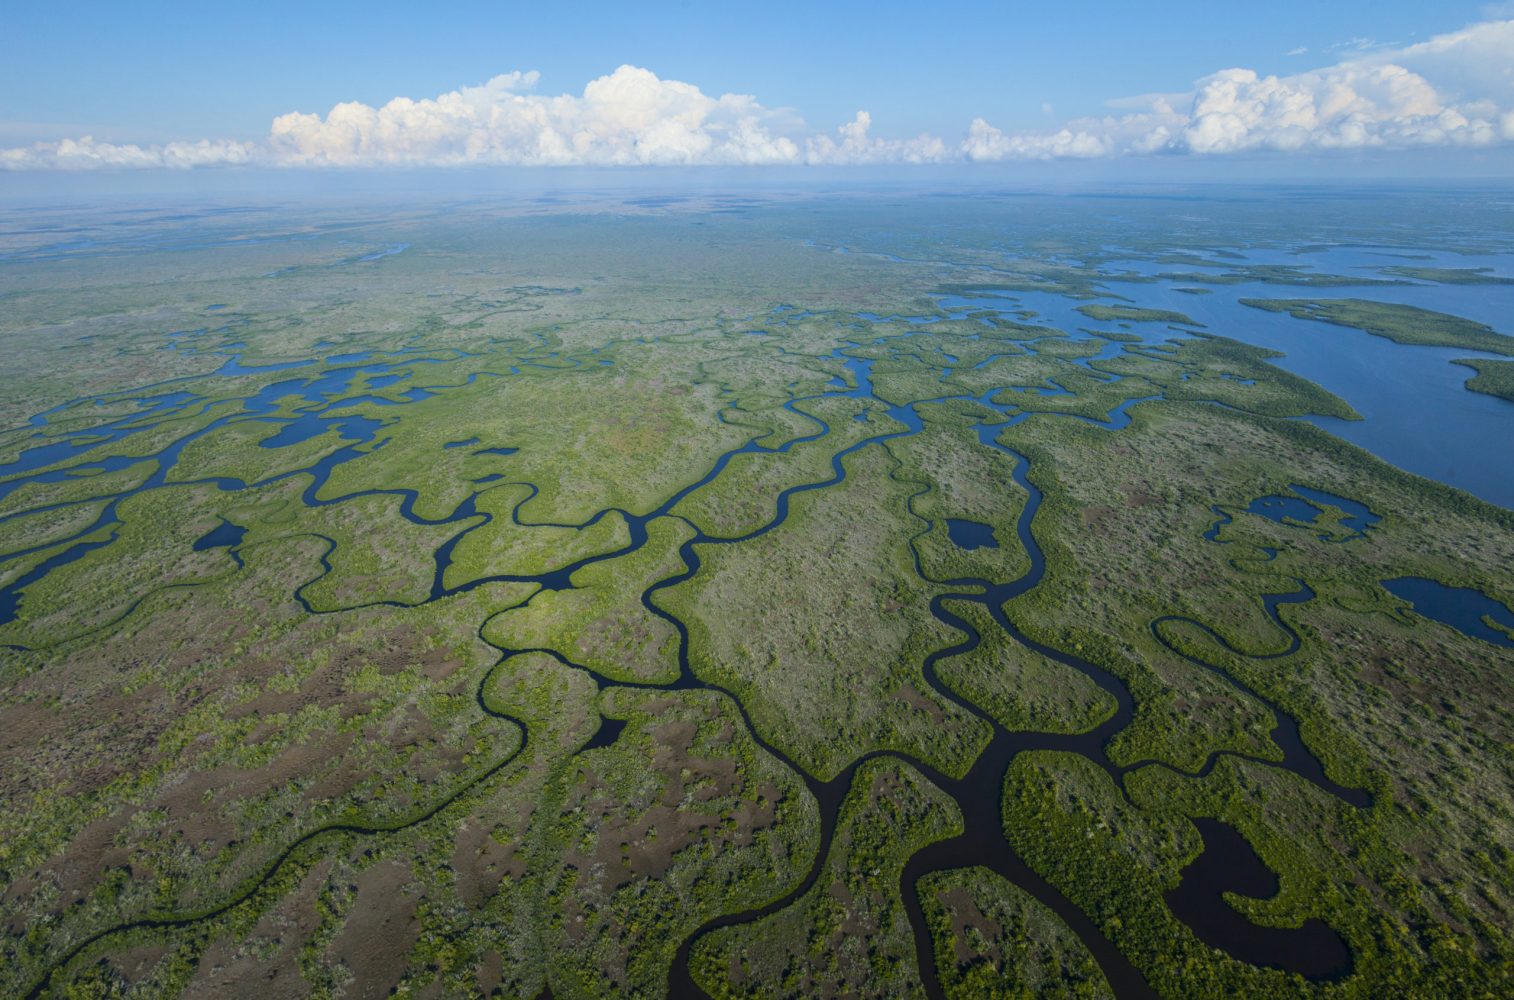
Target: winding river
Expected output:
[978,794]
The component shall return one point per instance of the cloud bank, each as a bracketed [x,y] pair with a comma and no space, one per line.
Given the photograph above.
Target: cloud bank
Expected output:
[628,117]
[1455,90]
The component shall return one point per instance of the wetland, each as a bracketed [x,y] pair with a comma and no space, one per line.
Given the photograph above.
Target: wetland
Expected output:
[861,596]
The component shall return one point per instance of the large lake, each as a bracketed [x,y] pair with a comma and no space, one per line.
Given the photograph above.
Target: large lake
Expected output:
[1417,412]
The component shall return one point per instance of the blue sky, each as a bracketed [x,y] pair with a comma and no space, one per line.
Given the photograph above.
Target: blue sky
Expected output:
[171,71]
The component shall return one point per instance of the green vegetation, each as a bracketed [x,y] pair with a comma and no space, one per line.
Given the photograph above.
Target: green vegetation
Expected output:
[1449,275]
[681,820]
[78,488]
[743,499]
[825,671]
[1276,274]
[1398,323]
[1496,378]
[962,479]
[847,936]
[1133,314]
[506,544]
[1227,371]
[993,940]
[587,457]
[601,623]
[1022,689]
[1348,682]
[375,673]
[152,553]
[235,450]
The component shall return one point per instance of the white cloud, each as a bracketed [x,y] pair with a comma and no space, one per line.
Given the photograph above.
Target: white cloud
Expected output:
[1357,44]
[1385,99]
[86,154]
[984,142]
[853,145]
[1455,89]
[628,117]
[1467,65]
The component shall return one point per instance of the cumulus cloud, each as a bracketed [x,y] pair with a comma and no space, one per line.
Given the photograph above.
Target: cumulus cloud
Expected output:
[1455,89]
[1347,106]
[853,144]
[628,117]
[984,142]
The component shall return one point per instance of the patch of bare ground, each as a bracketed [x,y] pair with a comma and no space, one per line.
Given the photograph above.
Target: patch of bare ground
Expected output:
[644,845]
[90,855]
[480,862]
[195,806]
[381,928]
[915,699]
[967,920]
[488,973]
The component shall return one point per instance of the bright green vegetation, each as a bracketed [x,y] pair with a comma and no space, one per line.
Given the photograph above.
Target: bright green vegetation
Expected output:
[993,940]
[77,488]
[572,589]
[507,543]
[618,414]
[601,623]
[1359,685]
[1218,370]
[234,450]
[156,533]
[1021,688]
[847,936]
[41,528]
[744,498]
[1399,323]
[1449,275]
[961,478]
[1496,378]
[1133,314]
[1117,857]
[825,671]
